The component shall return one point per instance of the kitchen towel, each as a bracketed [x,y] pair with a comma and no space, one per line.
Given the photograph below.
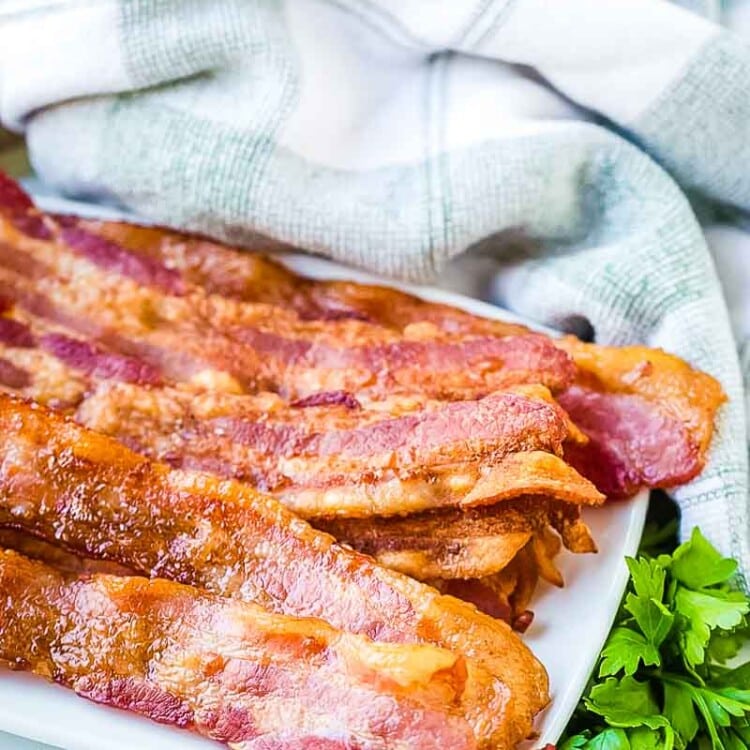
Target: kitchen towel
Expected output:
[570,149]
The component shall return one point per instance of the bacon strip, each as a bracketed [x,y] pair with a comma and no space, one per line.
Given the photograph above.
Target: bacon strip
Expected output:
[471,543]
[392,456]
[226,669]
[673,404]
[353,462]
[252,277]
[81,489]
[648,415]
[143,309]
[507,594]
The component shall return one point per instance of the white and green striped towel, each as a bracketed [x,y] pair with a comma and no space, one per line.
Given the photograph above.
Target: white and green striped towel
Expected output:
[558,140]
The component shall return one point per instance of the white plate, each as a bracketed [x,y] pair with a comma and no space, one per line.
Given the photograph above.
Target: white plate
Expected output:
[569,629]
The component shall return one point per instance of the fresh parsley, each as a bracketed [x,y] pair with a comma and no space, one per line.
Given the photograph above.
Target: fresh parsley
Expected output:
[662,681]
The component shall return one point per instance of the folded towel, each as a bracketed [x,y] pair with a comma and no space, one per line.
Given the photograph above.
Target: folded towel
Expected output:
[556,141]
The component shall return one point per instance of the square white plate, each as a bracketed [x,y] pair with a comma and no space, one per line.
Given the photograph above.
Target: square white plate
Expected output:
[569,629]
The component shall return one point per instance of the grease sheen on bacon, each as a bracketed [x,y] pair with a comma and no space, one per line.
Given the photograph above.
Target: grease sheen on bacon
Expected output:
[83,490]
[227,669]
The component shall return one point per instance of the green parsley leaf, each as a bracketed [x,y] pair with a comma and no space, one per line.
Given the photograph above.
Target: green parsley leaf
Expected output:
[702,612]
[697,564]
[625,703]
[653,618]
[625,650]
[609,739]
[647,577]
[733,740]
[737,677]
[643,738]
[575,742]
[680,712]
[743,732]
[726,644]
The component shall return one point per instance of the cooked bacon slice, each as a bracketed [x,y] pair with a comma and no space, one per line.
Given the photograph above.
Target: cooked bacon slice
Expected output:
[648,415]
[391,456]
[227,669]
[507,594]
[252,277]
[351,463]
[673,405]
[86,491]
[136,306]
[462,544]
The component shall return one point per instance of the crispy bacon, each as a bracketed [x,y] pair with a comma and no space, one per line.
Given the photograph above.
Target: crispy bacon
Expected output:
[467,453]
[252,277]
[648,416]
[141,308]
[392,456]
[462,544]
[496,425]
[673,404]
[227,669]
[81,489]
[507,594]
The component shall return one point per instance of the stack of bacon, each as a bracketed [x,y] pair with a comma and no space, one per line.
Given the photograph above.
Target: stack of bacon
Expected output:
[446,446]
